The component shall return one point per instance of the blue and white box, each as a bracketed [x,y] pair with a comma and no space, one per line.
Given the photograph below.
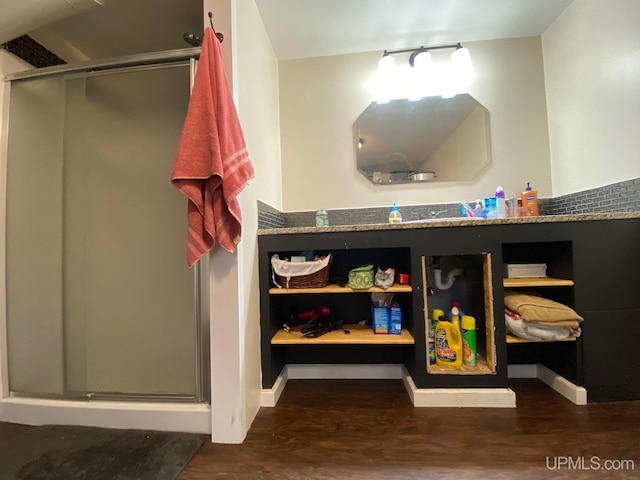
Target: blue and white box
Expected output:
[380,322]
[395,320]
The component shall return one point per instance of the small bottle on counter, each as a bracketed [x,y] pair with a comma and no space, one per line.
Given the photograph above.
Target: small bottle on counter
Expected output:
[501,205]
[322,218]
[490,207]
[394,215]
[530,201]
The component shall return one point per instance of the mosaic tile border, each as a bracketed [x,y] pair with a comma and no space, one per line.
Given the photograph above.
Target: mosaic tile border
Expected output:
[617,197]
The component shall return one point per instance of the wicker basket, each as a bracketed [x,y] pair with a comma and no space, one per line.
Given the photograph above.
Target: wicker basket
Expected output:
[317,279]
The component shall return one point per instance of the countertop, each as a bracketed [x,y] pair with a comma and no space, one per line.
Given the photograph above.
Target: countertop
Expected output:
[452,222]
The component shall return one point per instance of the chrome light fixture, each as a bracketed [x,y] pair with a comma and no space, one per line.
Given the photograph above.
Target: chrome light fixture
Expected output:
[426,77]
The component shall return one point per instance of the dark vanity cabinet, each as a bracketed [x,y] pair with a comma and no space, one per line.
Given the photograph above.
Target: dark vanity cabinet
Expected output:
[593,266]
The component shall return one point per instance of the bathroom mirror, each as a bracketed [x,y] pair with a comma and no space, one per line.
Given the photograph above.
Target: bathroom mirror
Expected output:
[433,139]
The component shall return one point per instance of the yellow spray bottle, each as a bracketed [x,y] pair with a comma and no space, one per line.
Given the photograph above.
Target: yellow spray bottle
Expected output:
[448,344]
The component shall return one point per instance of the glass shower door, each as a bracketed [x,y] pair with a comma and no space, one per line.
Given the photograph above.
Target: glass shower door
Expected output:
[105,241]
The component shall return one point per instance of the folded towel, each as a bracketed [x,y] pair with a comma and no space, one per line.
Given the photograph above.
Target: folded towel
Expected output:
[212,165]
[522,329]
[533,308]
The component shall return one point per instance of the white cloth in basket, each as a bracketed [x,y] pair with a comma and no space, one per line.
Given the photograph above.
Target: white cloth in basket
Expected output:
[288,269]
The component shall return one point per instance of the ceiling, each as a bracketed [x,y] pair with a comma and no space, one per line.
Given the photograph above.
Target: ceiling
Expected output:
[311,28]
[299,28]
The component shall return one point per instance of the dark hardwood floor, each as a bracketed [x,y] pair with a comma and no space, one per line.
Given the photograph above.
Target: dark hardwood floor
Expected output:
[368,429]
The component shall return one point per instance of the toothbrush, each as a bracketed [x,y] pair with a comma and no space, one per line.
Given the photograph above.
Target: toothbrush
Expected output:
[467,210]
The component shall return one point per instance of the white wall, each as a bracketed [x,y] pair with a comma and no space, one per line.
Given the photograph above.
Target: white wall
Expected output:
[592,76]
[321,97]
[252,70]
[257,84]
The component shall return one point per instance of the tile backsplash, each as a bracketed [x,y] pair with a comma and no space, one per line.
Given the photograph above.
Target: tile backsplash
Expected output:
[618,197]
[269,217]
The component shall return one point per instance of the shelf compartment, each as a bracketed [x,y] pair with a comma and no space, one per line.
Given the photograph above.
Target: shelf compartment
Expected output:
[358,334]
[482,368]
[333,288]
[536,282]
[476,289]
[514,339]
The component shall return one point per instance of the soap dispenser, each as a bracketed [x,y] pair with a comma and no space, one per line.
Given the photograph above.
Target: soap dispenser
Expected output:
[530,201]
[394,215]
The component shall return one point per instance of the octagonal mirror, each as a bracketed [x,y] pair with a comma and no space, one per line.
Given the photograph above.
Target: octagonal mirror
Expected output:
[433,139]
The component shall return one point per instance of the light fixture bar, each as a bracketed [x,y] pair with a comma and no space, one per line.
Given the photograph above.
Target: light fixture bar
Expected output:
[421,49]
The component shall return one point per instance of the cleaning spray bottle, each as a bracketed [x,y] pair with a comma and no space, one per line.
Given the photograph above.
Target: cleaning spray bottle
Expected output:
[469,352]
[394,214]
[448,344]
[455,313]
[436,315]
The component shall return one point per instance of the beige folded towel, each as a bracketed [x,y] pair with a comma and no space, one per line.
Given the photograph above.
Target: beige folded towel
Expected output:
[543,311]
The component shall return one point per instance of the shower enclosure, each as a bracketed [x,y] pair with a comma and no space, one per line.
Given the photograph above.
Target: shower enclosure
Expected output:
[99,301]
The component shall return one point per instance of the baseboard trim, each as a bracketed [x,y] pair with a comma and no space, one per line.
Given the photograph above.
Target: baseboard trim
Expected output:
[564,387]
[269,396]
[458,397]
[428,397]
[425,397]
[170,417]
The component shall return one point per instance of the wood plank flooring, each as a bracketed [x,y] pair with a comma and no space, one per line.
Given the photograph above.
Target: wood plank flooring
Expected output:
[368,429]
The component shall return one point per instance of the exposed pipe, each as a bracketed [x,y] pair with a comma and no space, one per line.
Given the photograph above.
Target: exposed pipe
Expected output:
[437,273]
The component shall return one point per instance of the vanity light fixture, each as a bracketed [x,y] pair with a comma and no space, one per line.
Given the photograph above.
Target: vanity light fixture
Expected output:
[426,77]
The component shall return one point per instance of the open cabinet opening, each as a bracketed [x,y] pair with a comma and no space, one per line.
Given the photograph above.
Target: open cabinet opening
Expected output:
[463,281]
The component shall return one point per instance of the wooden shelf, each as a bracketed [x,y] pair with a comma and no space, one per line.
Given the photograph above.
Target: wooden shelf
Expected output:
[480,369]
[514,339]
[358,334]
[536,282]
[333,288]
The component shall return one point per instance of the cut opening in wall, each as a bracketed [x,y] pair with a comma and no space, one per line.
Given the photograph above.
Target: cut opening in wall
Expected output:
[463,282]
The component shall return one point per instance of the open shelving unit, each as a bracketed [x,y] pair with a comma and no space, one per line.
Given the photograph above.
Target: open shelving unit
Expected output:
[358,335]
[536,282]
[333,288]
[558,284]
[514,339]
[526,282]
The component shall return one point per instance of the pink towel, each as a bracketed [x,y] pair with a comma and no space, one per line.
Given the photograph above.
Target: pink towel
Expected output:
[212,165]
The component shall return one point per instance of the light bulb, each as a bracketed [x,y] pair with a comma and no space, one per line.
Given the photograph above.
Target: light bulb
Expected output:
[461,69]
[386,64]
[422,62]
[385,79]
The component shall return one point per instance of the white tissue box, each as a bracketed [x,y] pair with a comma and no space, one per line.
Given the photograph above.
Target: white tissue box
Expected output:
[524,270]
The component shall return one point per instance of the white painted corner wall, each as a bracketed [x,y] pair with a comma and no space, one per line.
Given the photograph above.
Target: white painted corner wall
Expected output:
[252,71]
[592,77]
